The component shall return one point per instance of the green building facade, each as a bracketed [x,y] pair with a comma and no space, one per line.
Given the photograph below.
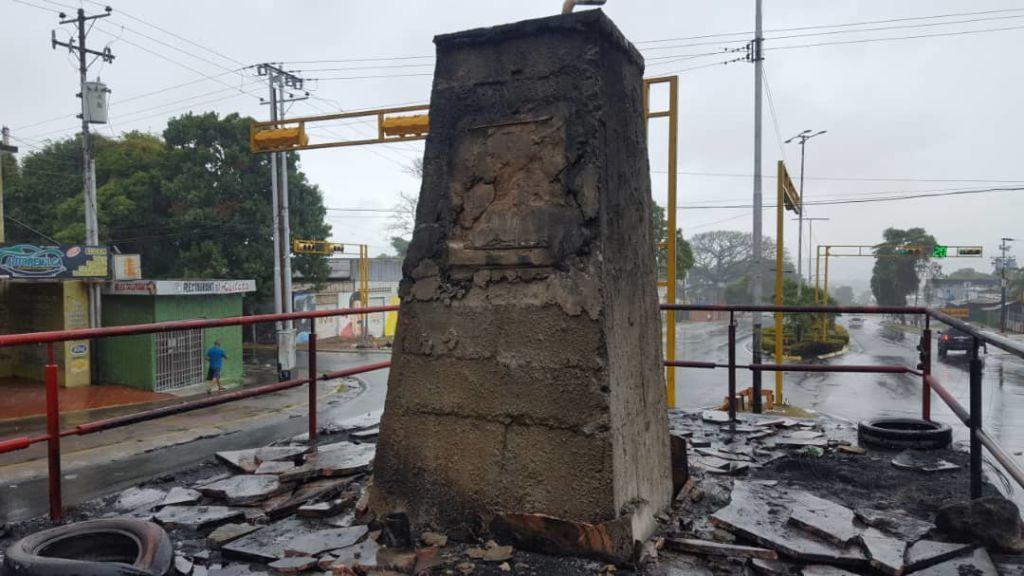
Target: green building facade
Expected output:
[170,361]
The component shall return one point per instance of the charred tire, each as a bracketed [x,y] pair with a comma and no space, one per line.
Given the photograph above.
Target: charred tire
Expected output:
[113,547]
[905,433]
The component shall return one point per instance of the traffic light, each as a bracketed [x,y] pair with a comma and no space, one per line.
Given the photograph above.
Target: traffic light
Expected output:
[968,251]
[276,139]
[939,251]
[403,126]
[319,247]
[910,251]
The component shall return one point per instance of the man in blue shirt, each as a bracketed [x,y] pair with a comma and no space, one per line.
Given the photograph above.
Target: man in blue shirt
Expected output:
[216,356]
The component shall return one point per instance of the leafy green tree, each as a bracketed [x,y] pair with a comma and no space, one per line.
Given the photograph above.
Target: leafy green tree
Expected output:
[895,275]
[684,252]
[195,203]
[399,245]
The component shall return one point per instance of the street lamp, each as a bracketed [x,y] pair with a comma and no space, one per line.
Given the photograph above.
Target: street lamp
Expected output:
[803,137]
[1003,261]
[568,5]
[810,239]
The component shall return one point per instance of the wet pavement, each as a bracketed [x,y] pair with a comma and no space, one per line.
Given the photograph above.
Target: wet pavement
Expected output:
[856,397]
[28,398]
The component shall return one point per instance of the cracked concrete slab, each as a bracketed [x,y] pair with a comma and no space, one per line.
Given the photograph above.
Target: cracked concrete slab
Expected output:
[197,517]
[244,489]
[886,553]
[926,553]
[823,518]
[761,513]
[978,563]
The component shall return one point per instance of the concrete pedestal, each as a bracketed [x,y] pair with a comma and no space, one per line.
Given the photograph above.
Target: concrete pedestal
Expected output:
[526,375]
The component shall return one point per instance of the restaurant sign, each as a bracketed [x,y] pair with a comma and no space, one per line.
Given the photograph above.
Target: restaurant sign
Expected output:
[64,262]
[179,287]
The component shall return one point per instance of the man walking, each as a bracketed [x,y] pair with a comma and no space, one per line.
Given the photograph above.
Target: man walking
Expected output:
[216,356]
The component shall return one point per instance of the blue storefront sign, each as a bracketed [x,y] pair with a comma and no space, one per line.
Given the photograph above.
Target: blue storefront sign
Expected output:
[65,262]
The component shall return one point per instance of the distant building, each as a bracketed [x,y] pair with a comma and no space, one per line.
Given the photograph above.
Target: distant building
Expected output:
[958,291]
[342,291]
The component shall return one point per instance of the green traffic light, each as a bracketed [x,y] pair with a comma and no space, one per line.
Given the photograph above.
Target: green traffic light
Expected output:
[939,251]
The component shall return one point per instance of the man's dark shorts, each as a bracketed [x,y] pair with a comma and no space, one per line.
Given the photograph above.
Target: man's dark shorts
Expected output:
[213,373]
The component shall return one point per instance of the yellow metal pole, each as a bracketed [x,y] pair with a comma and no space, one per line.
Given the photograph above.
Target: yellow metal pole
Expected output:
[364,287]
[670,293]
[779,284]
[817,279]
[824,297]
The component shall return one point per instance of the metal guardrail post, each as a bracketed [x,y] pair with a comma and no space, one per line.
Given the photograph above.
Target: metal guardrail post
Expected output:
[53,432]
[926,369]
[975,423]
[732,367]
[311,375]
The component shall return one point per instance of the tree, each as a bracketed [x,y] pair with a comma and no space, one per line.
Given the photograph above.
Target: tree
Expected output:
[399,245]
[723,261]
[843,295]
[684,253]
[894,275]
[194,204]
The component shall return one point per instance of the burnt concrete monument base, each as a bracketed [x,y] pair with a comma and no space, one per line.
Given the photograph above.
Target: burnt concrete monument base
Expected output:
[526,381]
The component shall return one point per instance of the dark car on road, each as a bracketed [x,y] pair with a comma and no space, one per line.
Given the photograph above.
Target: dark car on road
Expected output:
[953,339]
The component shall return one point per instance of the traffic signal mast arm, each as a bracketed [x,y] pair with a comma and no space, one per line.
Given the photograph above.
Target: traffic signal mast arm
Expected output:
[393,125]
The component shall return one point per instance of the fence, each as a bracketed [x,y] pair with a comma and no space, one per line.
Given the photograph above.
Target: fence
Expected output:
[972,417]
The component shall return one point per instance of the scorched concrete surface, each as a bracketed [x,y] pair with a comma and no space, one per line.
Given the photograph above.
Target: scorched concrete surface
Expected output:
[526,373]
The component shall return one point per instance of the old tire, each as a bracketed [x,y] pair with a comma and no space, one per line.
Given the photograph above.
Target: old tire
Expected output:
[112,547]
[902,433]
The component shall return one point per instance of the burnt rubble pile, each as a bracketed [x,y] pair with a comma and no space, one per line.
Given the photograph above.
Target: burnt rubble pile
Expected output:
[774,526]
[286,508]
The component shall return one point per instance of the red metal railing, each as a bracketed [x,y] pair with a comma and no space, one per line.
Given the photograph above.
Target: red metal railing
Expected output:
[972,418]
[54,433]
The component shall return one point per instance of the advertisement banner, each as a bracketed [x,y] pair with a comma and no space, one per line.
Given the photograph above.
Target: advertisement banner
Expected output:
[64,262]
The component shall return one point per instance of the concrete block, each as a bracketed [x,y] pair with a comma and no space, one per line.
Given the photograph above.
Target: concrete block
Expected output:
[526,376]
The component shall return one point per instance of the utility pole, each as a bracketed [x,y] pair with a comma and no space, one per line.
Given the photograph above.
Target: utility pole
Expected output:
[803,137]
[278,82]
[1003,263]
[755,286]
[92,232]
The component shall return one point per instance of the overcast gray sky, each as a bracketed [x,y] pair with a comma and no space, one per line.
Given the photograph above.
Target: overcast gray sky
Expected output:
[937,113]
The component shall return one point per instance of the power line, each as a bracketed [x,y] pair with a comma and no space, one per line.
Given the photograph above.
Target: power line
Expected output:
[773,114]
[848,178]
[839,25]
[894,38]
[867,200]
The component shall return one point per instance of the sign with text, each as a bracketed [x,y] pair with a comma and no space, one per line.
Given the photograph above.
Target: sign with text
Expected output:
[179,287]
[64,262]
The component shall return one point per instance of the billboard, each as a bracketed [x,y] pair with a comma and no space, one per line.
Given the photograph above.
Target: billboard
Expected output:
[64,262]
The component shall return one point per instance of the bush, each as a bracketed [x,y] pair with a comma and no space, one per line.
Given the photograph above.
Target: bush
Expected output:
[810,347]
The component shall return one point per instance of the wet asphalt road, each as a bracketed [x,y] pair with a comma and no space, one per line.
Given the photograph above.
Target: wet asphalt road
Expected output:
[28,498]
[856,397]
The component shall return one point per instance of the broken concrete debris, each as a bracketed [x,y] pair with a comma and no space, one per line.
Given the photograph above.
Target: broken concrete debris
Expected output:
[712,548]
[244,489]
[823,518]
[977,564]
[886,553]
[924,553]
[922,461]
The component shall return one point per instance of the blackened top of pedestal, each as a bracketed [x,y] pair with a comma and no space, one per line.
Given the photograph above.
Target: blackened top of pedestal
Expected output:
[587,22]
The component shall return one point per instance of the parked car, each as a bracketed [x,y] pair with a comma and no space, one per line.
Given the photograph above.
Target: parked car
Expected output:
[953,339]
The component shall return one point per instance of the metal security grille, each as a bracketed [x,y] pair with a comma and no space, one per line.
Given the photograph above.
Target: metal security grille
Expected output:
[179,359]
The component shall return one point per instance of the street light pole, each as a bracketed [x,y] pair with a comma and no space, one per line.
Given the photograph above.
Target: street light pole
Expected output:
[1003,248]
[803,137]
[810,240]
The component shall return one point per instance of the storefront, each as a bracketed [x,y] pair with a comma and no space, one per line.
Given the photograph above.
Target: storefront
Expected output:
[45,288]
[170,361]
